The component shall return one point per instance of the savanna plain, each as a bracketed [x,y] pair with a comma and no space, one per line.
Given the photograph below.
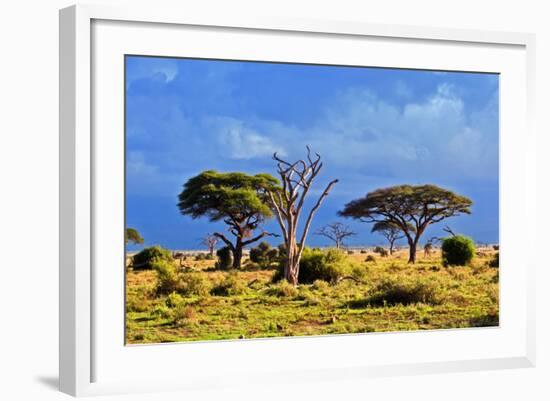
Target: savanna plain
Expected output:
[190,296]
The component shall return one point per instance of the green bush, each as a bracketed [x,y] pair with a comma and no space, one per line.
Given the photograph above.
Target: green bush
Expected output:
[393,291]
[370,258]
[230,286]
[194,284]
[167,276]
[458,250]
[144,259]
[225,258]
[328,265]
[264,255]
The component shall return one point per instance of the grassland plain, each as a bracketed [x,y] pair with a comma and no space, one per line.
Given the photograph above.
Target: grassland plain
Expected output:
[389,295]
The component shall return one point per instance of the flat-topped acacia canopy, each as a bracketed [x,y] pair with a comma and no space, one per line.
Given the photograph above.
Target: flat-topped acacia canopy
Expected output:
[237,198]
[411,207]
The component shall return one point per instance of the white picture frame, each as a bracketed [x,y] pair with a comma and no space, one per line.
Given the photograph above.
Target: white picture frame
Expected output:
[88,366]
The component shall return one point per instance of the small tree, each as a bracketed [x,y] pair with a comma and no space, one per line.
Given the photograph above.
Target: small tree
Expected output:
[297,179]
[210,241]
[411,207]
[132,235]
[336,232]
[390,231]
[237,199]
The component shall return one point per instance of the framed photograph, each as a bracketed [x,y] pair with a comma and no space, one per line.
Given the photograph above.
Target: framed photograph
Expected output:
[265,199]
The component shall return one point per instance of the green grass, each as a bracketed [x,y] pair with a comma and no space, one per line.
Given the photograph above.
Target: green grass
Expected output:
[391,296]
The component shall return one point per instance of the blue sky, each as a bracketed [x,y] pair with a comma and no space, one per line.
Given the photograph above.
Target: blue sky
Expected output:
[373,127]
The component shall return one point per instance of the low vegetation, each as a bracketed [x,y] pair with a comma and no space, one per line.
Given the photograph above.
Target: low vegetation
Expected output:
[457,250]
[337,293]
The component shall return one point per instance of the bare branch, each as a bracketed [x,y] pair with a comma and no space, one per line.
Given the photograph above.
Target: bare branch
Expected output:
[312,212]
[224,239]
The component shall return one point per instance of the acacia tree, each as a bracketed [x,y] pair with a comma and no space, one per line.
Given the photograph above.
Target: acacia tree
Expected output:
[411,207]
[288,202]
[389,230]
[336,232]
[210,241]
[237,199]
[132,235]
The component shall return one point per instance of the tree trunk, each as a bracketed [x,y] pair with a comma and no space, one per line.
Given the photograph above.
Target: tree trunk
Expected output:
[291,273]
[292,264]
[391,247]
[237,254]
[412,252]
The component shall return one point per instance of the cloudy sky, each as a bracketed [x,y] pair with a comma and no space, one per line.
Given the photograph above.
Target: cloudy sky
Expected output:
[373,127]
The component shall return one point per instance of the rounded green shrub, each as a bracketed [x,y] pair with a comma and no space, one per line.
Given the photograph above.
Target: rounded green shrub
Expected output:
[167,276]
[144,260]
[328,265]
[458,250]
[264,255]
[225,258]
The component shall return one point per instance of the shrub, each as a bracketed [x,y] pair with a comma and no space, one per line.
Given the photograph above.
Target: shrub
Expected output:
[381,251]
[173,299]
[370,258]
[316,264]
[457,250]
[200,256]
[328,265]
[495,261]
[194,284]
[225,258]
[230,286]
[167,276]
[363,251]
[263,254]
[393,292]
[144,259]
[282,289]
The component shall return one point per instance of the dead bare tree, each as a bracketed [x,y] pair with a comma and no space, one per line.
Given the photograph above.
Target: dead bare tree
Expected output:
[336,232]
[288,202]
[210,241]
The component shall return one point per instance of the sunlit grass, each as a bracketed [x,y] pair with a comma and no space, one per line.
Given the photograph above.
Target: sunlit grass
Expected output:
[391,296]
